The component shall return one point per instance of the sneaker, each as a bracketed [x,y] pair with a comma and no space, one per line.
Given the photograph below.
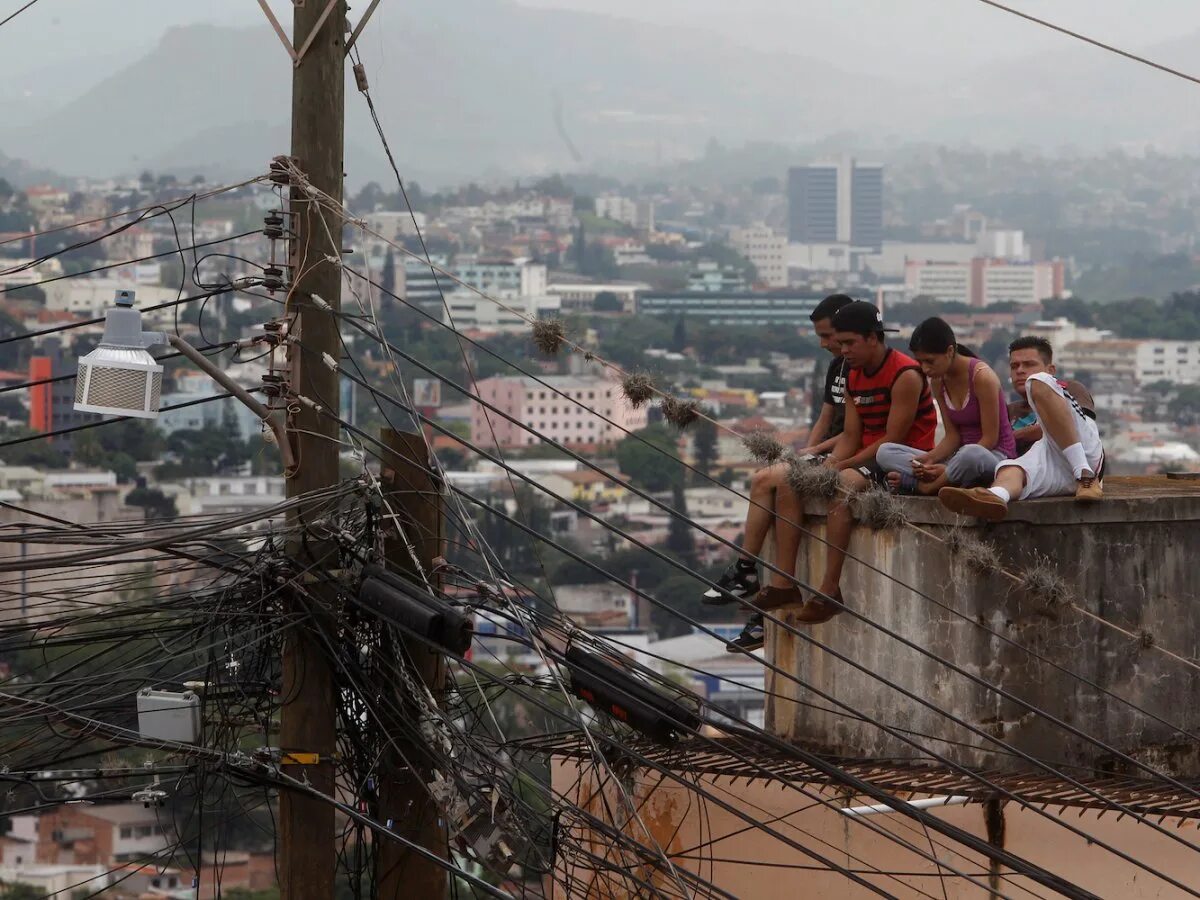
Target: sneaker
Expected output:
[751,637]
[815,610]
[772,597]
[979,502]
[1089,490]
[736,583]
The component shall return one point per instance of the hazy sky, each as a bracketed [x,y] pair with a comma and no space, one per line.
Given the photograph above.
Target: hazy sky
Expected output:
[926,37]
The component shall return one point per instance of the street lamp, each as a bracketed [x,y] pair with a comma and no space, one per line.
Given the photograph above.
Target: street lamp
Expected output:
[121,378]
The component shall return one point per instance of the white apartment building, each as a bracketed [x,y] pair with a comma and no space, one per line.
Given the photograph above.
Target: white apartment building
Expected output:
[505,277]
[984,281]
[468,310]
[392,226]
[634,213]
[1132,361]
[767,250]
[91,296]
[946,281]
[582,295]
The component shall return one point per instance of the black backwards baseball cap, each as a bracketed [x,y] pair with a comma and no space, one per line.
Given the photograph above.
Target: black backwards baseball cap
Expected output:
[859,317]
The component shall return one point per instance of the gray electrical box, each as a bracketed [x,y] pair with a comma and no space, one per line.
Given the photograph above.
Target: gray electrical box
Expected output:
[169,716]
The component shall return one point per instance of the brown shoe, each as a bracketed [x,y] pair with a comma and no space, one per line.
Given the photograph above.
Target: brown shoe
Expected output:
[815,610]
[979,502]
[1089,490]
[775,597]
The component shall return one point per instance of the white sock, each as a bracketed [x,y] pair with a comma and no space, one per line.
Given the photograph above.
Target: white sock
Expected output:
[1078,459]
[1002,493]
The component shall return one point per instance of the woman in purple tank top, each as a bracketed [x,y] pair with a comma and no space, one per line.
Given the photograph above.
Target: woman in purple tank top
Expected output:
[978,432]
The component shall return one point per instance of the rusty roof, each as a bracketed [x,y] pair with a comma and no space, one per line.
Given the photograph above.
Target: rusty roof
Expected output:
[707,756]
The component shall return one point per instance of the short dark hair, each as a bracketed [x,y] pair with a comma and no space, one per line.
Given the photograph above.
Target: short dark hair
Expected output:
[1030,342]
[830,305]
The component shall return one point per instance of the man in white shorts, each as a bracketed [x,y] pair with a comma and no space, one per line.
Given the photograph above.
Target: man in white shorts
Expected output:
[1068,459]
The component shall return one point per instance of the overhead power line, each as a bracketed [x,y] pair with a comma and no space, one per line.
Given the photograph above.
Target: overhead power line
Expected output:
[1095,43]
[12,16]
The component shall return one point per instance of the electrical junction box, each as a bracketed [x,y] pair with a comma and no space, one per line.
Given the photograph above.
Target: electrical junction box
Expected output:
[169,716]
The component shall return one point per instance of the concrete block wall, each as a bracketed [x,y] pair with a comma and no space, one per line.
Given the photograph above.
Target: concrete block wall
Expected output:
[1133,560]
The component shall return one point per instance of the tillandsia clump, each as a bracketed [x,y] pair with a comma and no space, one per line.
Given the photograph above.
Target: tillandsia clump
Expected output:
[549,335]
[680,413]
[1042,582]
[763,447]
[878,509]
[811,479]
[978,555]
[638,389]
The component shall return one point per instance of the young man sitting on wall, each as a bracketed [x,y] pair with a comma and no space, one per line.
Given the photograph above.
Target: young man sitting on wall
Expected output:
[887,399]
[1067,459]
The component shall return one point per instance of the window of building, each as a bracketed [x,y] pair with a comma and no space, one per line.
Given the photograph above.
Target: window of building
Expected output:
[144,831]
[251,487]
[126,831]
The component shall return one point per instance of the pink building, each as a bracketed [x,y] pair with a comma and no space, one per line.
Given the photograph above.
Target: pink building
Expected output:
[576,419]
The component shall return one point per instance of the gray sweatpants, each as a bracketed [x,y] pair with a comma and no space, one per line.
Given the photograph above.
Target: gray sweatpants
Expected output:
[971,464]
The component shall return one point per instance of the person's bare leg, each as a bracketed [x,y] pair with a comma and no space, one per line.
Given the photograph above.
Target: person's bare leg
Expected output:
[789,516]
[765,485]
[1012,479]
[838,526]
[1055,416]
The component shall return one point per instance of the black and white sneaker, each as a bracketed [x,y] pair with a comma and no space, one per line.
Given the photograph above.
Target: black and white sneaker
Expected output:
[737,582]
[751,638]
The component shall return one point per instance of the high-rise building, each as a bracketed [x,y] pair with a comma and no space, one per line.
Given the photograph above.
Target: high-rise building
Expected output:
[866,206]
[836,203]
[813,204]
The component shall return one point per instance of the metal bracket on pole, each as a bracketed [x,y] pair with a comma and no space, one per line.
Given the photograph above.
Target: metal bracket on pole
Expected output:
[283,38]
[312,35]
[361,24]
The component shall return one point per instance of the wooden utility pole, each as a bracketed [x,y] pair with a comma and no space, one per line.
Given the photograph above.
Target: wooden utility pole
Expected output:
[308,719]
[414,496]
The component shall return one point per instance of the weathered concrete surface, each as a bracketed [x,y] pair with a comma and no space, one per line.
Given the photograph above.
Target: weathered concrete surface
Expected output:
[1132,560]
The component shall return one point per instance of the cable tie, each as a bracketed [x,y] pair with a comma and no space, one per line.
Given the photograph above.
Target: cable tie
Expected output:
[320,303]
[329,361]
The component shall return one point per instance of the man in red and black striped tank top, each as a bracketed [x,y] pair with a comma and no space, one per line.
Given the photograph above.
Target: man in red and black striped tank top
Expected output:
[887,400]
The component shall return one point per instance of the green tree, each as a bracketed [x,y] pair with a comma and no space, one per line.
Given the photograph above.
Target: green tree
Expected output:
[21,890]
[156,504]
[607,301]
[644,465]
[679,337]
[681,543]
[704,445]
[387,278]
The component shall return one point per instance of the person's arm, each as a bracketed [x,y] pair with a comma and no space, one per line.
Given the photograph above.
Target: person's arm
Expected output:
[847,442]
[826,446]
[820,428]
[987,389]
[950,440]
[1030,434]
[906,394]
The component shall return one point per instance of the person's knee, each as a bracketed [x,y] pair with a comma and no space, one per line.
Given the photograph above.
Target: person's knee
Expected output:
[764,479]
[888,456]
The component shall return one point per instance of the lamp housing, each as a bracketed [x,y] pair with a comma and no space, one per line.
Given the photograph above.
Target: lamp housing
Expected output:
[119,378]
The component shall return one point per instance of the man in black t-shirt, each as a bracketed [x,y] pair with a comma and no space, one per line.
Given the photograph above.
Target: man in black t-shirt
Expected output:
[740,579]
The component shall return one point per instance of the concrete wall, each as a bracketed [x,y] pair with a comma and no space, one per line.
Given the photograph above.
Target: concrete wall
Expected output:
[1131,560]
